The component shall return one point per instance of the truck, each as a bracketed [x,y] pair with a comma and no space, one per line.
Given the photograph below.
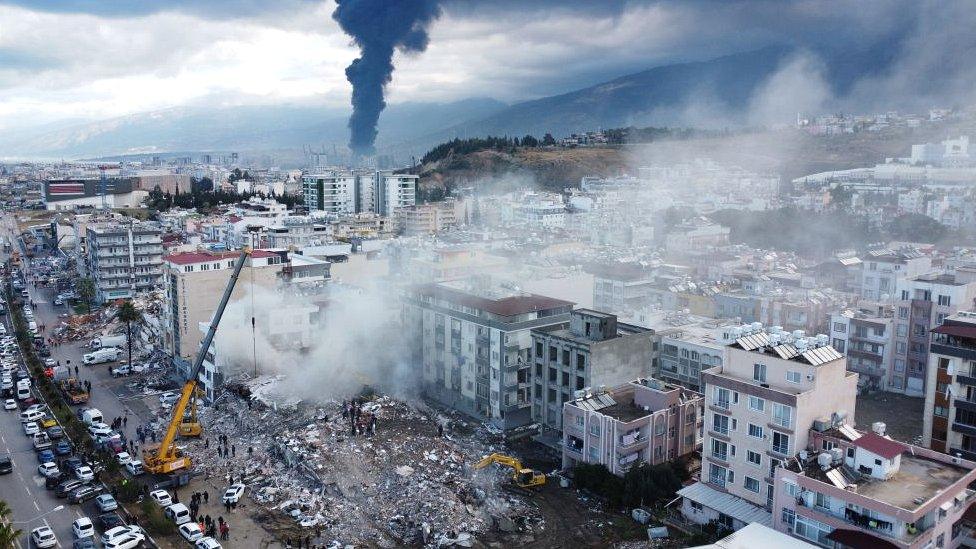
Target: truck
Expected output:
[105,354]
[107,341]
[73,390]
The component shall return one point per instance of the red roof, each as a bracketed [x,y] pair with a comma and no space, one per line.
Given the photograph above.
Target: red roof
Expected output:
[192,258]
[956,330]
[879,445]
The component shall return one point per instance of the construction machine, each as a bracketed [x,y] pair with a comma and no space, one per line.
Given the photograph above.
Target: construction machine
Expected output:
[523,477]
[166,458]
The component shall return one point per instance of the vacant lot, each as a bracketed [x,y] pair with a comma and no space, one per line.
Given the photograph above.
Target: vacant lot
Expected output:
[902,414]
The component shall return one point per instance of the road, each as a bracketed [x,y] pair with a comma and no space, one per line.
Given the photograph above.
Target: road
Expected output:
[24,490]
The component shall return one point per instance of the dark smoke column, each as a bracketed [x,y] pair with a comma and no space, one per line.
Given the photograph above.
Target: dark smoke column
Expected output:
[378,27]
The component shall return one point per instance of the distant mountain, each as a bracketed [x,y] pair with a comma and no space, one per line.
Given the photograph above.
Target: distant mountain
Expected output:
[643,98]
[244,128]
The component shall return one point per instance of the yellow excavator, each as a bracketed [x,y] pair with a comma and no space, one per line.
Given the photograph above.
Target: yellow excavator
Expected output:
[165,457]
[523,477]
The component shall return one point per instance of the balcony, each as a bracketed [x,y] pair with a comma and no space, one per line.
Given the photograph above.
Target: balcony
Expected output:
[723,404]
[723,457]
[635,443]
[963,428]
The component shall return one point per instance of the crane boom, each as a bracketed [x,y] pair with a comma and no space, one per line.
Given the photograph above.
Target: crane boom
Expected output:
[165,458]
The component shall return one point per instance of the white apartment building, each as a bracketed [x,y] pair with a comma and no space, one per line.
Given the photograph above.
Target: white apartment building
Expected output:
[866,336]
[342,192]
[123,258]
[474,345]
[759,407]
[881,271]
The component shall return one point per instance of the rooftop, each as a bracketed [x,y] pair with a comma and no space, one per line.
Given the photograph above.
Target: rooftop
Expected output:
[813,351]
[514,303]
[192,258]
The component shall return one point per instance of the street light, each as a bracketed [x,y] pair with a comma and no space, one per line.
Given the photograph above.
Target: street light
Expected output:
[55,510]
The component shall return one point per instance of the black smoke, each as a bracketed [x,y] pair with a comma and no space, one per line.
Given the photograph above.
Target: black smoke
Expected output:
[379,27]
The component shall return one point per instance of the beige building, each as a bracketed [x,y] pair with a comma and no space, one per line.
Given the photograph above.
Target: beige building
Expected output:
[429,218]
[194,283]
[644,421]
[760,406]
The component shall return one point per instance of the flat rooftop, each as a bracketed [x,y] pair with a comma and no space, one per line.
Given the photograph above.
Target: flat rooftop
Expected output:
[917,478]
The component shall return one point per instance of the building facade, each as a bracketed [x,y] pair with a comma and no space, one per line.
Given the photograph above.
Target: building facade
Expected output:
[123,259]
[866,336]
[592,350]
[759,407]
[474,345]
[643,421]
[341,192]
[950,398]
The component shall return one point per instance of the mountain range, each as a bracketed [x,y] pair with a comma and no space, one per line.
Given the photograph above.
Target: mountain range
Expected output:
[650,97]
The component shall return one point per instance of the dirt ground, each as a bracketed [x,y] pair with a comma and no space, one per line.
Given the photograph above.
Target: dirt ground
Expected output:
[902,414]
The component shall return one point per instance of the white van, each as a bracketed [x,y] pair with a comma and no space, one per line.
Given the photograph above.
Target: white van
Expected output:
[23,393]
[178,513]
[90,416]
[31,415]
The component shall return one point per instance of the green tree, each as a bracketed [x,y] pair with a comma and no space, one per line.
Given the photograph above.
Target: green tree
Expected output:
[86,290]
[128,313]
[548,140]
[8,534]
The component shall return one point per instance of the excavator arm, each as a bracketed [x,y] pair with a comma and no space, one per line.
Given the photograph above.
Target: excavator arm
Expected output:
[523,477]
[167,458]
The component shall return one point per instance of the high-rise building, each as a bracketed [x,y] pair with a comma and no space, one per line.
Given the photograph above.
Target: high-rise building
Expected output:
[123,258]
[473,345]
[949,423]
[341,192]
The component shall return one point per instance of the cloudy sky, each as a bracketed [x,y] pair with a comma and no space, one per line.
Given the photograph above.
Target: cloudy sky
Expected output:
[95,59]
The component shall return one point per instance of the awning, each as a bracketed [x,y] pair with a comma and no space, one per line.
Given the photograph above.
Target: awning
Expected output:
[855,539]
[728,504]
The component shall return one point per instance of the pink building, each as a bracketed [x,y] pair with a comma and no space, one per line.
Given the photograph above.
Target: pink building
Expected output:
[856,489]
[644,421]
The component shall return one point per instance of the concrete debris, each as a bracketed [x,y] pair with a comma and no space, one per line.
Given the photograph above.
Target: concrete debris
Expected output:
[403,485]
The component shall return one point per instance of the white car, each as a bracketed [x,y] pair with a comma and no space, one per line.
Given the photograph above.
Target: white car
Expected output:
[106,503]
[85,473]
[123,458]
[161,497]
[135,468]
[43,537]
[128,541]
[119,532]
[168,398]
[191,531]
[207,543]
[31,428]
[83,528]
[99,429]
[10,404]
[48,469]
[234,493]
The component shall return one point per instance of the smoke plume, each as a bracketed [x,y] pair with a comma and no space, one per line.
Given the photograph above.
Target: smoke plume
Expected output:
[378,27]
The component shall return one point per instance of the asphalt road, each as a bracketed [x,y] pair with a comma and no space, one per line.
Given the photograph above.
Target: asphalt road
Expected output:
[24,489]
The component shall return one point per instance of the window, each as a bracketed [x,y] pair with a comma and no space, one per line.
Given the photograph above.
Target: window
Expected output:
[579,421]
[789,516]
[941,411]
[902,312]
[696,506]
[822,501]
[791,489]
[904,295]
[754,458]
[812,530]
[792,377]
[759,373]
[752,484]
[757,404]
[720,424]
[944,300]
[717,475]
[755,431]
[840,327]
[782,415]
[595,429]
[722,397]
[781,443]
[901,330]
[720,450]
[839,344]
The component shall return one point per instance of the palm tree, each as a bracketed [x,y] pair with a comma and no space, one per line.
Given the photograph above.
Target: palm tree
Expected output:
[128,313]
[8,534]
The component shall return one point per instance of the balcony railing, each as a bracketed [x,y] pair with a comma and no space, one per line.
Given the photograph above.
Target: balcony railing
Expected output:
[781,449]
[723,404]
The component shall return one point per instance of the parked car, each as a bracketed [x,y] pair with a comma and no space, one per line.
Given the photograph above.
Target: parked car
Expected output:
[85,474]
[106,503]
[177,513]
[191,531]
[44,537]
[62,448]
[85,493]
[234,493]
[48,469]
[135,468]
[83,528]
[55,432]
[122,370]
[31,429]
[207,543]
[123,458]
[6,465]
[109,520]
[66,487]
[114,533]
[128,541]
[10,404]
[161,497]
[84,543]
[45,456]
[73,463]
[168,398]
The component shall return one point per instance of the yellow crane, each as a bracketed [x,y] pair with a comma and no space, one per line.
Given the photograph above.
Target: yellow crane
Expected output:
[165,457]
[523,477]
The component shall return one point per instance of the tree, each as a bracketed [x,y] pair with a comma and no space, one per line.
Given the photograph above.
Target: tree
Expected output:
[86,290]
[530,141]
[8,534]
[128,313]
[548,140]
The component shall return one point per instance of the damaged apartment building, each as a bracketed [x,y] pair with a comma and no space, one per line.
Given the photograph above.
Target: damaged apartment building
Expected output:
[644,421]
[474,344]
[592,350]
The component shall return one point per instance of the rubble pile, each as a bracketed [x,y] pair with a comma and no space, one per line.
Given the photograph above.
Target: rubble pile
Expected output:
[403,485]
